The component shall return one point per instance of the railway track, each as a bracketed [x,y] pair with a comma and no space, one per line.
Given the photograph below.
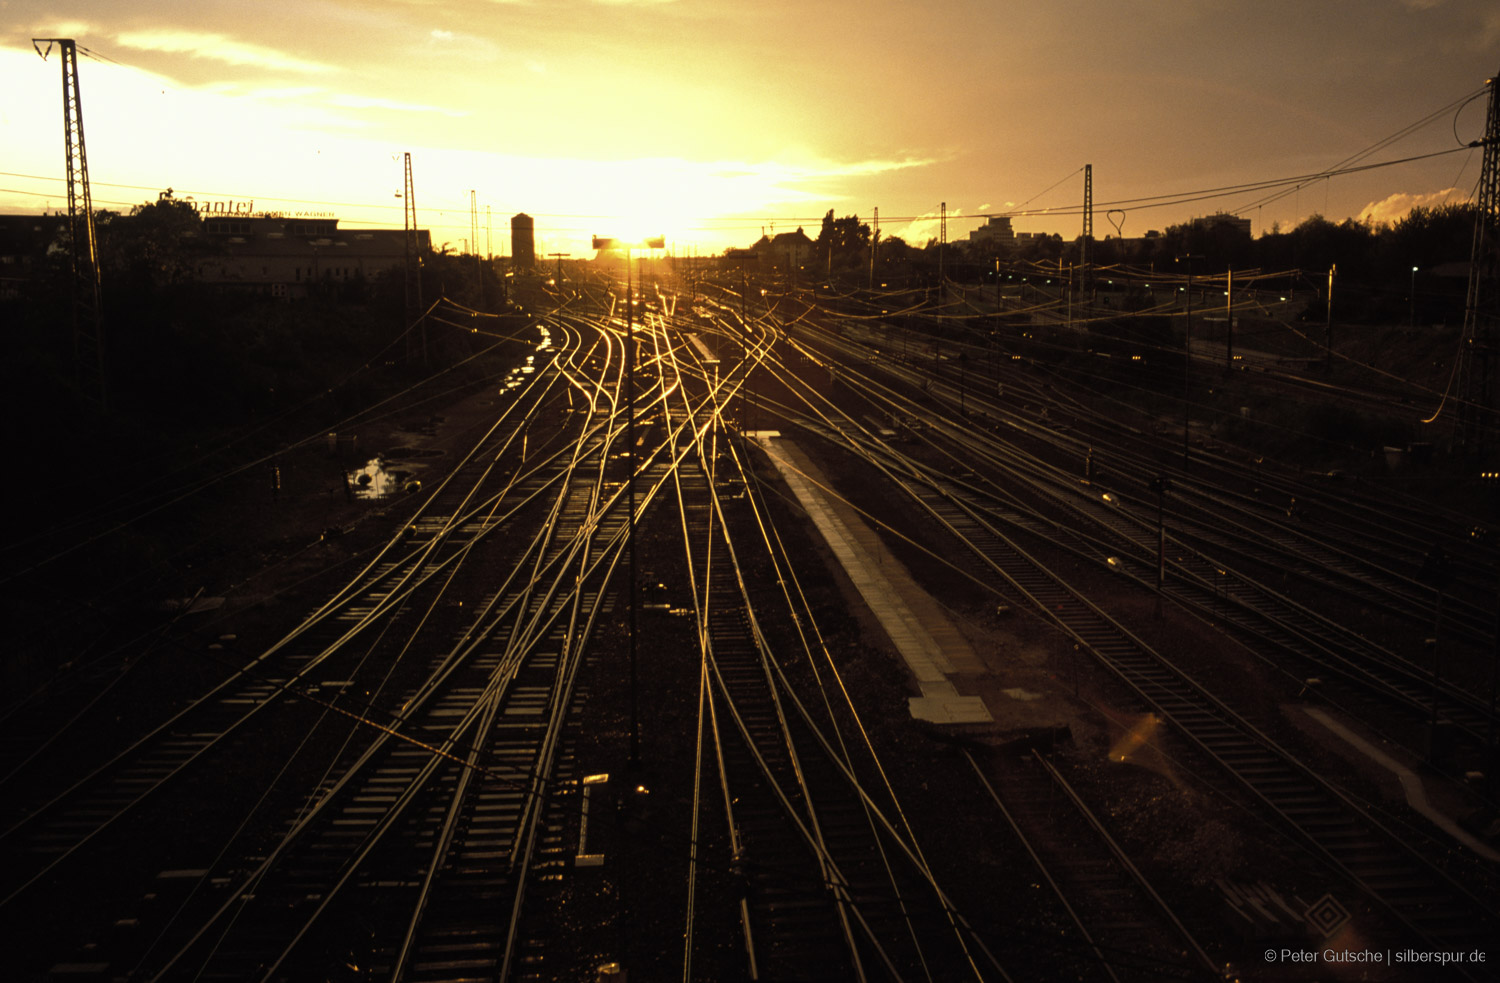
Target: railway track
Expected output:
[430,803]
[1225,549]
[465,707]
[48,826]
[1114,924]
[828,889]
[1368,853]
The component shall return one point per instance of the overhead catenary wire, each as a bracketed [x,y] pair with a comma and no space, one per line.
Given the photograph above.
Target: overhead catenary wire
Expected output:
[483,760]
[1457,105]
[1280,186]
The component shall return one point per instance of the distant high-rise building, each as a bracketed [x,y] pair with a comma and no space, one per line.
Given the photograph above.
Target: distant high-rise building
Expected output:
[1223,218]
[995,232]
[522,242]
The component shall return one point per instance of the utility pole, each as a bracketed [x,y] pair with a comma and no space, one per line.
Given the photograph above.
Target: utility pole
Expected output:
[1328,325]
[1187,357]
[942,248]
[1229,322]
[474,242]
[874,244]
[1412,299]
[1437,572]
[603,242]
[1161,484]
[414,308]
[1068,286]
[635,728]
[1476,359]
[87,305]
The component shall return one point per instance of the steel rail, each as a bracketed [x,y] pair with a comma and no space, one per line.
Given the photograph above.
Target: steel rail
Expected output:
[1198,728]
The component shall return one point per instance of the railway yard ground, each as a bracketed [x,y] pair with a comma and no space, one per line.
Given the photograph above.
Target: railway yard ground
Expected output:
[148,619]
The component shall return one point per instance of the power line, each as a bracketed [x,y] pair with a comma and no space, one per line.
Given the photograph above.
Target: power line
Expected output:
[1405,131]
[726,223]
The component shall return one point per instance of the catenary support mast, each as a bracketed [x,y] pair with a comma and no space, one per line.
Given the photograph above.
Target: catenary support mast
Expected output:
[1086,241]
[942,248]
[414,306]
[87,309]
[1476,367]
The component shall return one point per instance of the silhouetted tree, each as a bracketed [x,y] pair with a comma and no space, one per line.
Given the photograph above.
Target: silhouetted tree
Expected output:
[1316,244]
[1425,237]
[157,245]
[843,243]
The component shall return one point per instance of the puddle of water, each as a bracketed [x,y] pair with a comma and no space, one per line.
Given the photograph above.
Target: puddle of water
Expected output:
[374,481]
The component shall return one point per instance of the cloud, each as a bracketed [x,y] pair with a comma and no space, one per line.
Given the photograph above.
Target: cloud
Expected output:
[1489,30]
[801,168]
[61,29]
[455,45]
[865,168]
[312,99]
[929,225]
[1395,207]
[347,101]
[280,92]
[218,47]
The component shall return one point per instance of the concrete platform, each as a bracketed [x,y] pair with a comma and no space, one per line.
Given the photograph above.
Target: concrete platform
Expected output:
[927,640]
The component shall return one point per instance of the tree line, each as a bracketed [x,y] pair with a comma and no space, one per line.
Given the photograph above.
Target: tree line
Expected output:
[1414,267]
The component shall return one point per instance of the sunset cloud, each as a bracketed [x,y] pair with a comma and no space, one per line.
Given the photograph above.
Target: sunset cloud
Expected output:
[1394,207]
[219,47]
[346,101]
[741,126]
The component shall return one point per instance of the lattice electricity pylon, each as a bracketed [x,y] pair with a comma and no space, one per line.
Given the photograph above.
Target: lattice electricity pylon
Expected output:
[1086,241]
[87,309]
[1477,428]
[414,307]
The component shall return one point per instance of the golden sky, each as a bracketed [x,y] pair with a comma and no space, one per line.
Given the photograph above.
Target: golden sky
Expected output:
[710,121]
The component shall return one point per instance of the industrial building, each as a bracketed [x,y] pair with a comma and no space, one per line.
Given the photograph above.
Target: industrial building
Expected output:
[274,255]
[284,257]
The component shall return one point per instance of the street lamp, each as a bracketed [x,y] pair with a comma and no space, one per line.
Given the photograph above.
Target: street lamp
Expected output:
[602,243]
[1413,297]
